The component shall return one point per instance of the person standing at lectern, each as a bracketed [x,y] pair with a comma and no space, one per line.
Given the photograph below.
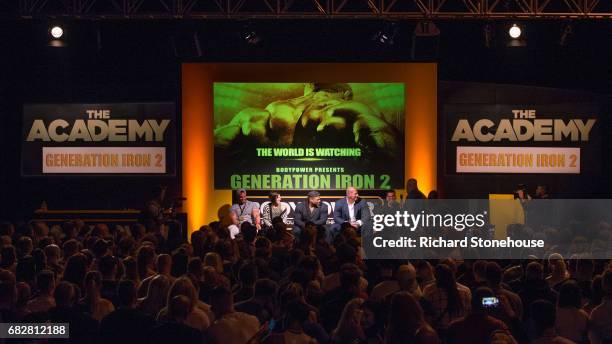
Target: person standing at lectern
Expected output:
[412,190]
[351,209]
[311,210]
[246,210]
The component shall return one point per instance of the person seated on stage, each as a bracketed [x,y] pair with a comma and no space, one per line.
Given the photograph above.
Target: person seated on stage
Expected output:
[311,210]
[350,209]
[246,210]
[275,208]
[389,204]
[541,192]
[412,190]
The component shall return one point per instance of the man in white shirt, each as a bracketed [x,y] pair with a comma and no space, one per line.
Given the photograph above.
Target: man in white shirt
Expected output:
[350,209]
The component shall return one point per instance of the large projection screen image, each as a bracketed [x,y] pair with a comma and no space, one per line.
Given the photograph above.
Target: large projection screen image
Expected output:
[308,135]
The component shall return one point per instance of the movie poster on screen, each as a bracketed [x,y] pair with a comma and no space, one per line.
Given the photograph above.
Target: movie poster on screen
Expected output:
[99,139]
[304,136]
[522,138]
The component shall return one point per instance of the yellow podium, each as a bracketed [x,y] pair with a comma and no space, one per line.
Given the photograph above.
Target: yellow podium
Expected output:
[504,210]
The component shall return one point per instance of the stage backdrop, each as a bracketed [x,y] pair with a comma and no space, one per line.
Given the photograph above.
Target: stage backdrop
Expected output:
[359,112]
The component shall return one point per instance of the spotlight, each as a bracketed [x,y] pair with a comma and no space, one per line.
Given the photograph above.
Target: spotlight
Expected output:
[386,35]
[425,41]
[515,31]
[57,32]
[566,35]
[249,34]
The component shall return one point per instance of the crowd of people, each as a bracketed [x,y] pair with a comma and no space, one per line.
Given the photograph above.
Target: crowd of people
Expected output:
[249,278]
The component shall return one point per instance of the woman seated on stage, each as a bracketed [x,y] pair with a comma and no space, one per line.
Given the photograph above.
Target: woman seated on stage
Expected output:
[274,209]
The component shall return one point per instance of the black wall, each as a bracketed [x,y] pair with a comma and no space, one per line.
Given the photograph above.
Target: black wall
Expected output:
[116,61]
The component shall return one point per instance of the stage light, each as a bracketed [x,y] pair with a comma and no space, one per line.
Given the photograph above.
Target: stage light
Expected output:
[566,35]
[515,31]
[386,35]
[57,32]
[425,41]
[249,34]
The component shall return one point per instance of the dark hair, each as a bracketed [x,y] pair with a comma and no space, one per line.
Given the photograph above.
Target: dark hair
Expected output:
[265,287]
[445,280]
[40,260]
[180,259]
[26,270]
[126,292]
[100,247]
[311,194]
[346,253]
[9,256]
[65,294]
[179,307]
[273,196]
[144,258]
[570,295]
[45,280]
[249,232]
[378,309]
[107,264]
[76,267]
[493,273]
[70,247]
[195,266]
[350,276]
[248,273]
[543,314]
[297,311]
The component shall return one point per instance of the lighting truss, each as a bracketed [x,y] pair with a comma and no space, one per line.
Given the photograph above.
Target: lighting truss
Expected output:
[275,9]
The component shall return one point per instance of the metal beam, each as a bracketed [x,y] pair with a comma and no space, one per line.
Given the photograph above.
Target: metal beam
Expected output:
[274,9]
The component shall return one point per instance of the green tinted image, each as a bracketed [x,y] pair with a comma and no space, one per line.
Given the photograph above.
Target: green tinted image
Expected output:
[368,117]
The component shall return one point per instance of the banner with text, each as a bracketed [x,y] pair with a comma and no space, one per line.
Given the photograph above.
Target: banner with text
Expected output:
[557,138]
[109,139]
[302,136]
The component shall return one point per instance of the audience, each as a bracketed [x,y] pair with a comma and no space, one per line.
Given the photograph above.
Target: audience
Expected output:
[125,284]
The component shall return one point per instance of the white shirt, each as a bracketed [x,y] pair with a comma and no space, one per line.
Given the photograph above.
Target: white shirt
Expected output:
[234,230]
[351,207]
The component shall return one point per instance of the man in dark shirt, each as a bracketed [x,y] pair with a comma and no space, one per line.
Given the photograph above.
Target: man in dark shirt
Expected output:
[412,189]
[311,210]
[126,324]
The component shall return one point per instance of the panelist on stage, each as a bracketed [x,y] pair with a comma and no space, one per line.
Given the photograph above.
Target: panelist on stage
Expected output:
[246,210]
[311,210]
[350,209]
[274,208]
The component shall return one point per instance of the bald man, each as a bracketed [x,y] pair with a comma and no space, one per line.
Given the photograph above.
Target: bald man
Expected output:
[350,210]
